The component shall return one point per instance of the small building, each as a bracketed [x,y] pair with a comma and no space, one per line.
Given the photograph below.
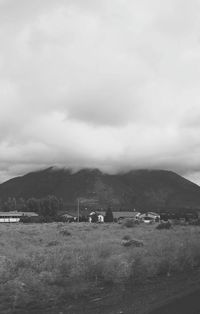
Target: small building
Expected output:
[118,216]
[15,216]
[150,217]
[68,217]
[100,218]
[96,217]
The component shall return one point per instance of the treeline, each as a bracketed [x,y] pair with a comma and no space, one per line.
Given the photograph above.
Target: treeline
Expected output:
[46,206]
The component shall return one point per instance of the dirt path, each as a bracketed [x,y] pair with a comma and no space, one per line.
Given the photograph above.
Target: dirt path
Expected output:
[167,295]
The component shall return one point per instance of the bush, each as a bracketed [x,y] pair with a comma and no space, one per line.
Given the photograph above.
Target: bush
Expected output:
[129,223]
[52,243]
[65,232]
[194,222]
[164,225]
[34,219]
[41,219]
[127,241]
[126,237]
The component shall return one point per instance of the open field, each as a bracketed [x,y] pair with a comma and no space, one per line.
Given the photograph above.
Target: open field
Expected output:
[45,265]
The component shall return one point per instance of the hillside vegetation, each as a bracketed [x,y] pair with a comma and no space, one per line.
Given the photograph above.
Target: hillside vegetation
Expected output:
[141,189]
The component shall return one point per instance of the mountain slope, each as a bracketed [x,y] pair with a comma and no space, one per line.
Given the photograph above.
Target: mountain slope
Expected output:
[140,189]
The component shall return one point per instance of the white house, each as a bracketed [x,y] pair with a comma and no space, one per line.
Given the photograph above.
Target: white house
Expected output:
[150,217]
[96,217]
[100,218]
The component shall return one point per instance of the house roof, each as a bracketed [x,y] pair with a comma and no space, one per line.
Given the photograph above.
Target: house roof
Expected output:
[17,214]
[121,214]
[67,215]
[149,214]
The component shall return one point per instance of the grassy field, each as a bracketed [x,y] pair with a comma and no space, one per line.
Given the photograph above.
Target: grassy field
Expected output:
[44,264]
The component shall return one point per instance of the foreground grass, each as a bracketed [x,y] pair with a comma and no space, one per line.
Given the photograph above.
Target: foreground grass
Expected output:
[47,263]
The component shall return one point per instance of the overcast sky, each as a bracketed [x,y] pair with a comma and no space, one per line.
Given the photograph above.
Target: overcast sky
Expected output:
[113,84]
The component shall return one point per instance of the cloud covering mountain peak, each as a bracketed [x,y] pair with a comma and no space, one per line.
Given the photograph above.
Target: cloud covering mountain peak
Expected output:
[109,84]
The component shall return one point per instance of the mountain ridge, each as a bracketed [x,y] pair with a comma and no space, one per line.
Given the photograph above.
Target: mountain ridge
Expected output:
[140,189]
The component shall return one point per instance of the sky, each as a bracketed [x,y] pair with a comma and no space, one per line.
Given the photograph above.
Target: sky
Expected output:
[110,84]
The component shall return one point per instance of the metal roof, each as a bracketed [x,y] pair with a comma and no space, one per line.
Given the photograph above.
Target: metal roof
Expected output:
[149,214]
[120,214]
[17,214]
[66,215]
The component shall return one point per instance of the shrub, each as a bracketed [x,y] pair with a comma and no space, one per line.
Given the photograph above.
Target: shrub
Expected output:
[65,232]
[42,219]
[52,243]
[126,237]
[34,219]
[127,241]
[194,222]
[164,225]
[129,223]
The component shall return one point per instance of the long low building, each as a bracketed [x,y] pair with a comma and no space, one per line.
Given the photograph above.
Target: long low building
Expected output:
[15,216]
[121,214]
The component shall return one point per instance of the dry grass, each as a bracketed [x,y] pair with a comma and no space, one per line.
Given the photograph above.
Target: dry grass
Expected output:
[43,264]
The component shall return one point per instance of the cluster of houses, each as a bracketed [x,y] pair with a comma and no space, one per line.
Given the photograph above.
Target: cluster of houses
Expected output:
[118,216]
[99,216]
[94,216]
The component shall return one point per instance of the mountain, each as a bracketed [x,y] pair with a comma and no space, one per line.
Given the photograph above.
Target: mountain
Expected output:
[139,189]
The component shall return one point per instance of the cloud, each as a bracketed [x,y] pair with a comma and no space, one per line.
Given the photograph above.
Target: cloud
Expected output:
[109,84]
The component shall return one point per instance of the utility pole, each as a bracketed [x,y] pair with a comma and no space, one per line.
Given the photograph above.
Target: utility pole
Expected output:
[82,200]
[78,210]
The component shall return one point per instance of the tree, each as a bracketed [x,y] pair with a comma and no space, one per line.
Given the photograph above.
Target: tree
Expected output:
[49,206]
[33,205]
[21,204]
[9,204]
[109,215]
